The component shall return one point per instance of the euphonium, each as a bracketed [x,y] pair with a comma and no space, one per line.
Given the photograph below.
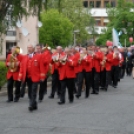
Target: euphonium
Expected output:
[13,60]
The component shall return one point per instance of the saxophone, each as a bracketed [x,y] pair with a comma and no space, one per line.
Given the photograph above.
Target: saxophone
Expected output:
[13,60]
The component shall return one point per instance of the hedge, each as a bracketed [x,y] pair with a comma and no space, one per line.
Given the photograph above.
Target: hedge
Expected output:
[3,71]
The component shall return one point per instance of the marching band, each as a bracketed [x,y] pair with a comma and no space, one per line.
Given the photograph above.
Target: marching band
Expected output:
[95,66]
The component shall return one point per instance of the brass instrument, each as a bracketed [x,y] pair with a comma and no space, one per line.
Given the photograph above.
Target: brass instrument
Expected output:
[56,57]
[44,48]
[13,60]
[103,62]
[82,56]
[63,59]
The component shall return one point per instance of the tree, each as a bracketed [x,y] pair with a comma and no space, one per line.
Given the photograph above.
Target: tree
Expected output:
[77,14]
[56,30]
[121,18]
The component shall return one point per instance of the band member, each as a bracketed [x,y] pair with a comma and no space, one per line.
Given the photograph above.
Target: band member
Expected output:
[55,72]
[106,65]
[86,64]
[76,54]
[44,67]
[30,72]
[66,75]
[97,57]
[115,69]
[13,63]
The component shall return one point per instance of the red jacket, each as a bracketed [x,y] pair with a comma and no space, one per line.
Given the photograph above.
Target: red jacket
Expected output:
[13,74]
[76,58]
[87,64]
[116,60]
[97,58]
[45,60]
[108,64]
[31,67]
[67,70]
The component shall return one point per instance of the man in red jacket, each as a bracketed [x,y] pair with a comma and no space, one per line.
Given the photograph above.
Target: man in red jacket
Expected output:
[30,72]
[13,63]
[66,75]
[106,66]
[86,73]
[96,58]
[44,68]
[56,86]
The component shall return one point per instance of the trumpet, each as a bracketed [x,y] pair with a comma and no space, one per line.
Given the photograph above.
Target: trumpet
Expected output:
[63,59]
[82,56]
[13,60]
[56,57]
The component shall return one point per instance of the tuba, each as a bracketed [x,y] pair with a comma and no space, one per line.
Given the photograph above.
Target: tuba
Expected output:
[13,60]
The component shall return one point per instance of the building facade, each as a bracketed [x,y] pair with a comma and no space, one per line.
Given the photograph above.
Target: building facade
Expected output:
[15,36]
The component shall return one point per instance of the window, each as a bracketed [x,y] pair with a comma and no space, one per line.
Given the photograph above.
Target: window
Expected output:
[106,3]
[98,3]
[113,3]
[98,22]
[11,33]
[91,3]
[85,3]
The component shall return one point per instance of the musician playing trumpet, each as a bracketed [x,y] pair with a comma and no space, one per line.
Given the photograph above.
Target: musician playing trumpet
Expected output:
[13,64]
[67,74]
[85,62]
[106,65]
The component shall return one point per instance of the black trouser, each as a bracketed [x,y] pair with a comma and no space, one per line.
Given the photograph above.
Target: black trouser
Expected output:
[33,94]
[29,84]
[23,89]
[10,83]
[68,82]
[55,83]
[105,79]
[43,89]
[88,81]
[95,81]
[129,70]
[123,69]
[115,75]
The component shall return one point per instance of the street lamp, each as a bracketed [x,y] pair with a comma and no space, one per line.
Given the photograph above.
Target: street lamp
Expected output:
[75,32]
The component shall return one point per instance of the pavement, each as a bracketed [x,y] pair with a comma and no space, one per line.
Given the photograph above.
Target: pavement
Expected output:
[109,112]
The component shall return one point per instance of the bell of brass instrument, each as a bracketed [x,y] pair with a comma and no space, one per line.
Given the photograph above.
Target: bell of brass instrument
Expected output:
[13,60]
[104,51]
[63,59]
[56,57]
[82,56]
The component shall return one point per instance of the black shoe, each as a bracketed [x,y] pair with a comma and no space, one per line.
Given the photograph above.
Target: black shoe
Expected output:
[9,101]
[97,93]
[22,95]
[102,88]
[16,100]
[30,108]
[87,96]
[93,93]
[114,86]
[71,101]
[61,102]
[51,97]
[77,96]
[35,107]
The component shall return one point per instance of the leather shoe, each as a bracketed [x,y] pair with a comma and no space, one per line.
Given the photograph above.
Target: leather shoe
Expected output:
[30,108]
[77,96]
[16,100]
[51,97]
[9,101]
[61,102]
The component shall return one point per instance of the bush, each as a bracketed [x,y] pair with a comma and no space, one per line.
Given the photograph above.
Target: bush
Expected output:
[3,71]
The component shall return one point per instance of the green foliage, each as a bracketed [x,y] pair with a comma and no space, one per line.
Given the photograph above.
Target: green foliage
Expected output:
[3,71]
[121,18]
[77,14]
[56,30]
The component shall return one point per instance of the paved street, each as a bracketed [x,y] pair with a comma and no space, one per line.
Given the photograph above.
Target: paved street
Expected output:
[111,112]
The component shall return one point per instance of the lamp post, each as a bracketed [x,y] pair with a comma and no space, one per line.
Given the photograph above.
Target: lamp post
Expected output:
[74,33]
